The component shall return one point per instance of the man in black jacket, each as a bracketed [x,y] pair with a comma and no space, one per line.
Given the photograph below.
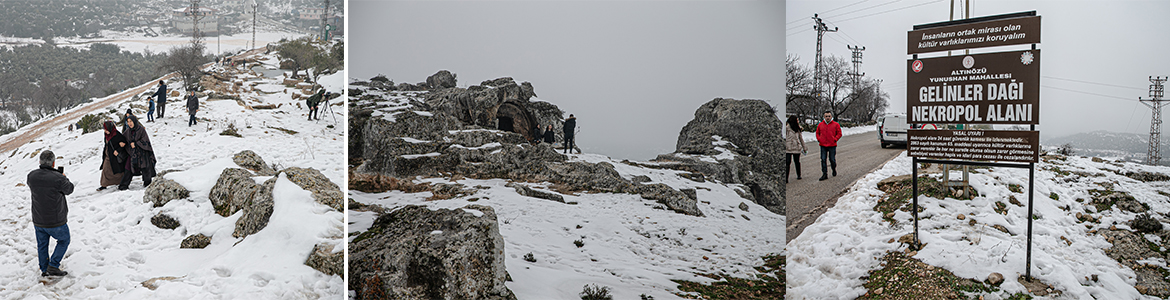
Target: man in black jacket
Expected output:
[162,98]
[570,124]
[49,212]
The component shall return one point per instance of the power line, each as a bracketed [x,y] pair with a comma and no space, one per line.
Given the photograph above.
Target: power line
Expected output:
[855,3]
[1087,93]
[843,14]
[890,11]
[1089,82]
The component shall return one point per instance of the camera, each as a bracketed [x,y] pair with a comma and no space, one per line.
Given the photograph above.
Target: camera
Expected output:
[61,170]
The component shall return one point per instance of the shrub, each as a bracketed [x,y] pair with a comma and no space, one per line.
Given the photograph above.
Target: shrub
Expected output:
[90,123]
[529,258]
[1145,223]
[231,130]
[595,292]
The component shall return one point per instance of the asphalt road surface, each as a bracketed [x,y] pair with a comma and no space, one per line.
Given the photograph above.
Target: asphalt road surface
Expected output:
[857,155]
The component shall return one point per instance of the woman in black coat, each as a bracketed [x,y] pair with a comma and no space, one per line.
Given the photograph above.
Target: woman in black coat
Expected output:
[113,156]
[141,152]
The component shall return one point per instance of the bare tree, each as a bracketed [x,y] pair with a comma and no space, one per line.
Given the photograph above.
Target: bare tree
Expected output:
[185,60]
[54,96]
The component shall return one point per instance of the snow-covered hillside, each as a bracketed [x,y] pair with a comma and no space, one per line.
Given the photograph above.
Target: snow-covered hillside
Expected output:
[1082,215]
[629,243]
[116,251]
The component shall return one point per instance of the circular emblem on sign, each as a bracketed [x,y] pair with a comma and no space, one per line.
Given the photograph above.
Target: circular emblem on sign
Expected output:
[968,62]
[916,66]
[1026,58]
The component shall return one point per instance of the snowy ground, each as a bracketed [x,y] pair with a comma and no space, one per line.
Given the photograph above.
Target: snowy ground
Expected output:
[629,245]
[828,261]
[811,137]
[114,245]
[140,43]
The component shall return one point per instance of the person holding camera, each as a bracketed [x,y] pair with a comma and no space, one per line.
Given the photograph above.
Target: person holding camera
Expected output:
[49,187]
[113,156]
[313,102]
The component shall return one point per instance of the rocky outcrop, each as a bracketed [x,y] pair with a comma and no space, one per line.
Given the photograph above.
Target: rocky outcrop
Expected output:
[252,161]
[441,80]
[530,192]
[417,253]
[163,190]
[164,221]
[1129,249]
[257,211]
[673,199]
[748,132]
[323,259]
[232,191]
[324,190]
[196,241]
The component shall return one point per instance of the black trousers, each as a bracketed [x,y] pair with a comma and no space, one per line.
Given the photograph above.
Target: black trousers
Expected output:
[790,158]
[313,112]
[162,107]
[147,175]
[569,143]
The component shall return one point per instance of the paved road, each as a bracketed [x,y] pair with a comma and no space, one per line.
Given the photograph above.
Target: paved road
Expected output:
[857,155]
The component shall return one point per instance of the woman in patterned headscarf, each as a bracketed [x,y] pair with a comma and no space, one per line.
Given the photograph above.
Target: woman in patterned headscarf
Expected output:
[113,156]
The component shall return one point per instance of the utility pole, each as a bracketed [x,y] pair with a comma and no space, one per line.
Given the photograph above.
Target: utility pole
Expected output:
[821,29]
[195,17]
[254,10]
[1155,103]
[325,22]
[856,66]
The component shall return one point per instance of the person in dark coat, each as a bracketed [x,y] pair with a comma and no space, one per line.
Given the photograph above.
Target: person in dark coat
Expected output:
[313,102]
[50,211]
[549,135]
[570,124]
[162,98]
[141,152]
[192,107]
[113,156]
[150,111]
[125,127]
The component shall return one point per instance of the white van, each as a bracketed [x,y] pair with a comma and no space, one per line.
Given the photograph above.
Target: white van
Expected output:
[891,129]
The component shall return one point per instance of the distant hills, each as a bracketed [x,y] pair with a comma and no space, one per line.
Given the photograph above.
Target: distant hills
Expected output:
[1131,146]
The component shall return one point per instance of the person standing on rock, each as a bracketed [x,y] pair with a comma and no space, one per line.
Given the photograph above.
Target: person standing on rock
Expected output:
[113,156]
[141,154]
[162,98]
[192,107]
[49,186]
[569,125]
[828,132]
[550,137]
[794,142]
[150,109]
[313,102]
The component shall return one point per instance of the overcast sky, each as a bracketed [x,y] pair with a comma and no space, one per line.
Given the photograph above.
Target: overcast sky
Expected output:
[1103,50]
[633,72]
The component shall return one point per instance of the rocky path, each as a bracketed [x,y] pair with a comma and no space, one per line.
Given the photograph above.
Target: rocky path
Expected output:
[36,130]
[857,155]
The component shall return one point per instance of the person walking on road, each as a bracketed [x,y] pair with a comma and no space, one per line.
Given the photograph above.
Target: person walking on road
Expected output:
[161,94]
[794,142]
[49,186]
[192,107]
[569,125]
[828,132]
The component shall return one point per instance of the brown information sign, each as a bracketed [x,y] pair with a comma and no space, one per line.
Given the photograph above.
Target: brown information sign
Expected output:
[992,88]
[1002,32]
[975,145]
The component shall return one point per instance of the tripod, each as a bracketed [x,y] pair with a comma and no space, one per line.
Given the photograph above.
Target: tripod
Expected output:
[323,107]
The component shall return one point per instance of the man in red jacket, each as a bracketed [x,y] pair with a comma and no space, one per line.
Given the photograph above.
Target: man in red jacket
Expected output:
[828,132]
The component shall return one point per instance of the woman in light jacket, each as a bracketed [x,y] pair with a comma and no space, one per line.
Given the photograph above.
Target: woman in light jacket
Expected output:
[794,142]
